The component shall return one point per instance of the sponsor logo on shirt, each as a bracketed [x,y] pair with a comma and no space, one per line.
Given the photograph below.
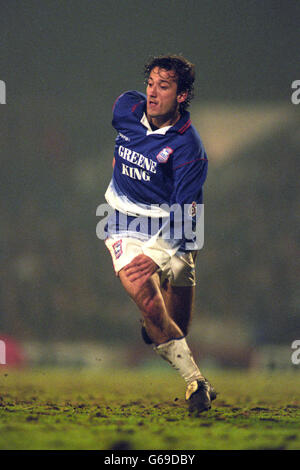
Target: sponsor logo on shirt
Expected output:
[192,209]
[164,154]
[145,164]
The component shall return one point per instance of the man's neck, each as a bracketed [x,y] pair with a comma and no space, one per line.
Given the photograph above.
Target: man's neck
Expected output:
[163,121]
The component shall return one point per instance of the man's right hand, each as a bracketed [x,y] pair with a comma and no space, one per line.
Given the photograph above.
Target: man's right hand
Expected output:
[140,268]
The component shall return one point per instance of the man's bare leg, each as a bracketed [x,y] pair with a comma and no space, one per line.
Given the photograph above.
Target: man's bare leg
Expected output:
[165,333]
[179,302]
[148,297]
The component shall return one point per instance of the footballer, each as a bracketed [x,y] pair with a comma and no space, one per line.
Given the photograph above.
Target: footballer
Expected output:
[159,169]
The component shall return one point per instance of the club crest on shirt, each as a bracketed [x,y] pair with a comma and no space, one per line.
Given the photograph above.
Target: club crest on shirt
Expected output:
[192,209]
[117,247]
[164,154]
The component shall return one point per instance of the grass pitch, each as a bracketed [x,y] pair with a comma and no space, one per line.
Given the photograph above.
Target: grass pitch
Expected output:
[135,410]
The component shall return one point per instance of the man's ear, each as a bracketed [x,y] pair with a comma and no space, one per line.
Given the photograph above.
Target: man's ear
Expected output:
[182,97]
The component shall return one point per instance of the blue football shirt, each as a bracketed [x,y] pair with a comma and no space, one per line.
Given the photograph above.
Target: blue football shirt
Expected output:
[154,169]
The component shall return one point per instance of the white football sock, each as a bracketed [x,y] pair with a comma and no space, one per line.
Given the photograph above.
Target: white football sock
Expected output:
[178,354]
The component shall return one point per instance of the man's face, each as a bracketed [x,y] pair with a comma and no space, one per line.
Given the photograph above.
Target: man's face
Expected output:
[162,98]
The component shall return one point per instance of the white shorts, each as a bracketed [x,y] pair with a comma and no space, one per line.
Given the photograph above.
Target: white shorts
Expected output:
[180,270]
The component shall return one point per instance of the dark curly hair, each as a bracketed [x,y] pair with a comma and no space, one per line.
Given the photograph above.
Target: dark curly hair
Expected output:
[185,72]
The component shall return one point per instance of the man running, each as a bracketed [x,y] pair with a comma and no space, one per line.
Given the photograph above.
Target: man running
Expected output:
[159,169]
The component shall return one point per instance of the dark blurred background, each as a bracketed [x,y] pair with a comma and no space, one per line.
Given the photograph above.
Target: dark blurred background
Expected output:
[64,63]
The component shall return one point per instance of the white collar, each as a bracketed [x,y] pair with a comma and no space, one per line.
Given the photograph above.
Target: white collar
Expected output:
[161,130]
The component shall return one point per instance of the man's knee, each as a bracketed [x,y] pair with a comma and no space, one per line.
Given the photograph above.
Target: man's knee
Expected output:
[150,304]
[148,298]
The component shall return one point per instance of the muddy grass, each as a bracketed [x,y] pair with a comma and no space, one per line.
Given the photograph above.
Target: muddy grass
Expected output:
[135,410]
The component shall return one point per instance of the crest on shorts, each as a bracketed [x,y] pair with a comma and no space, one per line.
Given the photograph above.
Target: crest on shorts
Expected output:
[193,209]
[164,154]
[117,246]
